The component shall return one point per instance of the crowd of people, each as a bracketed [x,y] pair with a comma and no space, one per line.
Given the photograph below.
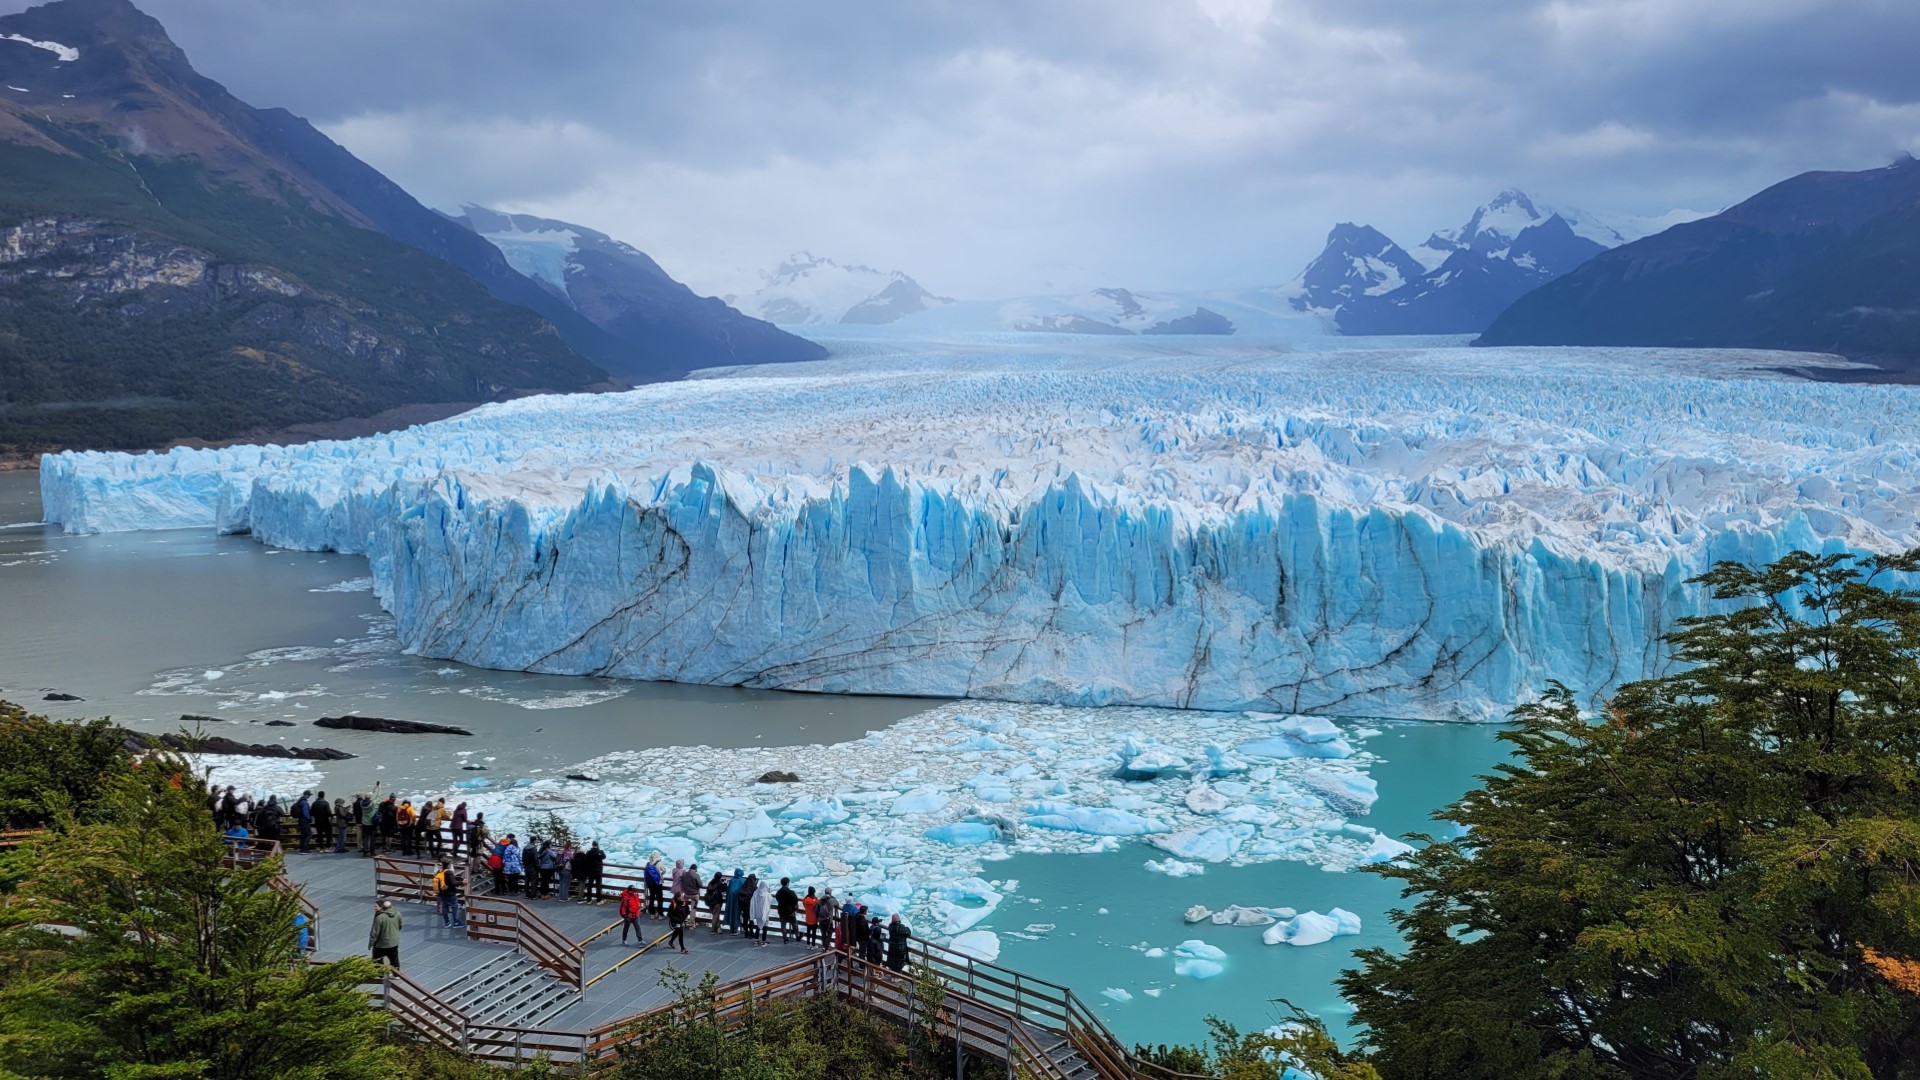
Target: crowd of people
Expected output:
[553,869]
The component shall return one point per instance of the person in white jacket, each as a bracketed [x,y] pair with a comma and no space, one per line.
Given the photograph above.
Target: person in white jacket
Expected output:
[760,911]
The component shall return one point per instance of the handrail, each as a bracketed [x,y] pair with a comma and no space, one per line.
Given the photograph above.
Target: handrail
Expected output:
[311,910]
[533,935]
[623,961]
[423,1010]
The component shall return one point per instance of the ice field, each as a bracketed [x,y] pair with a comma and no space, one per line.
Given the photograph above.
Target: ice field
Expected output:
[1209,524]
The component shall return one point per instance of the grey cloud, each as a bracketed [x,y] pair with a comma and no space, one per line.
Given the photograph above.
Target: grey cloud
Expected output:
[994,146]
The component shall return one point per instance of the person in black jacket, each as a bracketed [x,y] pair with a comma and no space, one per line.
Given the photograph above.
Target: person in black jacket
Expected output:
[786,904]
[716,898]
[589,866]
[266,823]
[898,934]
[389,822]
[322,821]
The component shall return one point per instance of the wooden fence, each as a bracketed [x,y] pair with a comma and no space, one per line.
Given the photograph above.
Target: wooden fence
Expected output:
[500,918]
[1036,1028]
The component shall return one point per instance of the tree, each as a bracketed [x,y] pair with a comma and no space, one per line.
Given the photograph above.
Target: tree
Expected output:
[133,952]
[1719,878]
[46,766]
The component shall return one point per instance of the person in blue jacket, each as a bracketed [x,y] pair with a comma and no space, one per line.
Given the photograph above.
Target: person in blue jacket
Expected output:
[734,886]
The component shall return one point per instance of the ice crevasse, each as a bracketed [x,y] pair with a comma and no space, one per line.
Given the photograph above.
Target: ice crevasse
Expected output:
[1367,540]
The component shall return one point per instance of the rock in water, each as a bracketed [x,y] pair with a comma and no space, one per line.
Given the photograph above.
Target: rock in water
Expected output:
[392,727]
[588,777]
[220,744]
[474,768]
[279,723]
[777,776]
[196,718]
[55,695]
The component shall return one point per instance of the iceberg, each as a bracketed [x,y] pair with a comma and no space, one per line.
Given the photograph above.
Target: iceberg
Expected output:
[1313,928]
[1416,533]
[1096,820]
[979,944]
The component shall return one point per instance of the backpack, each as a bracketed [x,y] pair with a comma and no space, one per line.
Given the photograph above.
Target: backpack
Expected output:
[495,862]
[653,873]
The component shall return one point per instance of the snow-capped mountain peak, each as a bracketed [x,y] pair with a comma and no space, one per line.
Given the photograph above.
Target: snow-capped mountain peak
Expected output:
[808,289]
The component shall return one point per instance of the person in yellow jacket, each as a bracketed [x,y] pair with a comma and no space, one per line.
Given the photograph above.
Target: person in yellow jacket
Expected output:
[446,888]
[404,819]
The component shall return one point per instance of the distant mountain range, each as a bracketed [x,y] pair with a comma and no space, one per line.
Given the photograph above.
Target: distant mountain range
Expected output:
[1825,261]
[175,263]
[808,290]
[621,290]
[1458,281]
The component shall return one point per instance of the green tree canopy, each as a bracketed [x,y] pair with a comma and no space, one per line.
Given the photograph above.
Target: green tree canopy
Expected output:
[1718,878]
[128,950]
[46,766]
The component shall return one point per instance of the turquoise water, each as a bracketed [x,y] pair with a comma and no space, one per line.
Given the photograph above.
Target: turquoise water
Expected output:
[1423,766]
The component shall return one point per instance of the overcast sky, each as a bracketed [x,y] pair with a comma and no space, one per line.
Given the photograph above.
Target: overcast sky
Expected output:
[998,147]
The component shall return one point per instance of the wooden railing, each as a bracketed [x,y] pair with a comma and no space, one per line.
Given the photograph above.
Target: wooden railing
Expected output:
[307,908]
[983,1009]
[403,878]
[500,918]
[424,1011]
[246,852]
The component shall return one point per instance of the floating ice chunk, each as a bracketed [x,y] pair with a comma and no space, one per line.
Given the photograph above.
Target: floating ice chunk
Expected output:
[1348,922]
[1197,913]
[1348,792]
[1222,763]
[1175,868]
[1235,915]
[1154,954]
[754,826]
[1285,746]
[1309,729]
[1204,799]
[1154,992]
[963,833]
[1152,763]
[211,675]
[816,811]
[1096,820]
[1198,949]
[1383,849]
[1116,994]
[1217,844]
[1312,928]
[918,801]
[1198,969]
[797,867]
[672,847]
[979,944]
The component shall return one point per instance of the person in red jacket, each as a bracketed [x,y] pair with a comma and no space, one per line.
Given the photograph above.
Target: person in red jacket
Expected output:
[630,906]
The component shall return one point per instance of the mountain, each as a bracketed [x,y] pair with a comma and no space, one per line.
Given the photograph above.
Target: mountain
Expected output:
[1114,311]
[622,291]
[1825,261]
[170,269]
[807,290]
[1455,283]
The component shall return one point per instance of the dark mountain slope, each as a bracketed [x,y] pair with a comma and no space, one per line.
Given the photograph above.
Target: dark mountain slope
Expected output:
[1827,261]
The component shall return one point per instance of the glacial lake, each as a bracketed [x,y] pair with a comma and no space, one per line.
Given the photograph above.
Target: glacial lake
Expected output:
[146,627]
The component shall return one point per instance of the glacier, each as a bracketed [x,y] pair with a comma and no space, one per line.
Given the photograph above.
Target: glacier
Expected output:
[1335,528]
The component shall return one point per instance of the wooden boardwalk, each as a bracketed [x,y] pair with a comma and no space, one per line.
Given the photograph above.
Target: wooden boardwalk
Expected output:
[341,887]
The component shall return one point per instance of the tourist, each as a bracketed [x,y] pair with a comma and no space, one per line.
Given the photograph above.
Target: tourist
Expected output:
[403,824]
[389,822]
[588,867]
[426,832]
[447,888]
[853,936]
[810,904]
[267,819]
[876,936]
[242,810]
[441,815]
[342,817]
[898,934]
[540,886]
[788,903]
[656,893]
[716,898]
[384,939]
[237,836]
[480,834]
[322,814]
[301,935]
[630,915]
[829,918]
[497,862]
[566,857]
[511,862]
[690,885]
[675,887]
[303,821]
[677,915]
[369,819]
[734,914]
[760,910]
[459,825]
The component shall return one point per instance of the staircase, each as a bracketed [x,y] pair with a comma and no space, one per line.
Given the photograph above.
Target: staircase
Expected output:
[509,991]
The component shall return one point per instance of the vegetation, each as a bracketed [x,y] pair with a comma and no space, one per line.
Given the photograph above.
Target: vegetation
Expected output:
[128,950]
[548,826]
[375,323]
[792,1039]
[50,770]
[1720,878]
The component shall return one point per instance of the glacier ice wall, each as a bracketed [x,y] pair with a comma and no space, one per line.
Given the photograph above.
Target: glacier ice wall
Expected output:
[1416,533]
